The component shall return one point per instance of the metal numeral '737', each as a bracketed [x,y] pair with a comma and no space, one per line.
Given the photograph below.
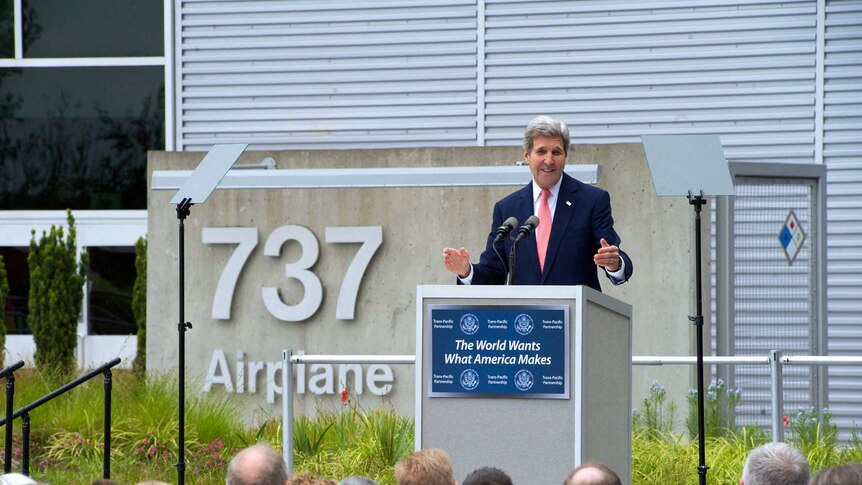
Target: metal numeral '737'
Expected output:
[371,237]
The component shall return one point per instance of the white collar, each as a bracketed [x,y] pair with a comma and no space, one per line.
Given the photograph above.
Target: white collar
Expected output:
[555,190]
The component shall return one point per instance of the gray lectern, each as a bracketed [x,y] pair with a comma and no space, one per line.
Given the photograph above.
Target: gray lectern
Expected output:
[534,380]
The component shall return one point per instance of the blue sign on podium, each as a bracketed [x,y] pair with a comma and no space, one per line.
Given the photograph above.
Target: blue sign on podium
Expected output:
[499,351]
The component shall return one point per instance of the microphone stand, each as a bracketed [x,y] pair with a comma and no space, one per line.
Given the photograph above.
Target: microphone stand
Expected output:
[524,232]
[494,245]
[513,260]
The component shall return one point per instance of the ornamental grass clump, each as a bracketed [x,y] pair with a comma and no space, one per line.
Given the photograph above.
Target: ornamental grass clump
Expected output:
[812,432]
[656,419]
[719,411]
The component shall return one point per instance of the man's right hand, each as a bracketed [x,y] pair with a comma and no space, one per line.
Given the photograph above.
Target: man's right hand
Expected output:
[457,261]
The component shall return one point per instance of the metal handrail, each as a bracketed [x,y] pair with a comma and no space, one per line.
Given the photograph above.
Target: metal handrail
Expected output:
[9,374]
[12,368]
[821,360]
[352,359]
[686,360]
[24,414]
[774,359]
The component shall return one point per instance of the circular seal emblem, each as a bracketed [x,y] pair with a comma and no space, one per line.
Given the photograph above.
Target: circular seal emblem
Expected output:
[470,379]
[469,324]
[524,380]
[523,324]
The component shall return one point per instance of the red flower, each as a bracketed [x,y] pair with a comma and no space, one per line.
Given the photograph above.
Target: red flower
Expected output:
[343,395]
[786,421]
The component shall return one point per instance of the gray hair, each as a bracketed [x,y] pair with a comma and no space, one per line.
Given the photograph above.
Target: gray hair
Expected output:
[775,464]
[257,465]
[357,480]
[545,126]
[847,474]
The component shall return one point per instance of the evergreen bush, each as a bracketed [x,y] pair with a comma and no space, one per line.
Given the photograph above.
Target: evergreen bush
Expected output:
[139,306]
[56,294]
[4,290]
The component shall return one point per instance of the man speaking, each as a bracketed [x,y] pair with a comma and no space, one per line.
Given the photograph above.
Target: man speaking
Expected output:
[575,230]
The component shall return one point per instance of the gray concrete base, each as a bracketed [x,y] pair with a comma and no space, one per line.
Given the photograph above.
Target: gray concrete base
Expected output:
[537,440]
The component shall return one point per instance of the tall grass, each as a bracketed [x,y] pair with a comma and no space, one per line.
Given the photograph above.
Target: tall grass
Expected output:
[674,460]
[660,456]
[391,436]
[68,434]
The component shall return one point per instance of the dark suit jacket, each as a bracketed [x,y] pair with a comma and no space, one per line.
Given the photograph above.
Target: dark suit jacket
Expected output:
[582,217]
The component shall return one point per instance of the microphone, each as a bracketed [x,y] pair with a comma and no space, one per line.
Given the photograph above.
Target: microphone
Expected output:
[529,226]
[504,230]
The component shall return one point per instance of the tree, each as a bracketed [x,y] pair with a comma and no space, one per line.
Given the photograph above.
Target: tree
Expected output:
[139,306]
[56,294]
[4,290]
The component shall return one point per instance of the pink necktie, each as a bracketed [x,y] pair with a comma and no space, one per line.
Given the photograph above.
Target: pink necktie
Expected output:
[543,232]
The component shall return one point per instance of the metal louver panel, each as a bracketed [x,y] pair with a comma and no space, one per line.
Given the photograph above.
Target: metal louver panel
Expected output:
[308,74]
[842,154]
[288,74]
[774,306]
[617,70]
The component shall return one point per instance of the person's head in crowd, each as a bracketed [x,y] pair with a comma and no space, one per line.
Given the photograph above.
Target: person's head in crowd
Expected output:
[257,465]
[846,474]
[775,464]
[545,147]
[306,478]
[487,476]
[425,467]
[592,473]
[16,479]
[357,480]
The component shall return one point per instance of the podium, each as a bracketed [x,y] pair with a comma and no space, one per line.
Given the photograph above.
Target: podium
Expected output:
[534,380]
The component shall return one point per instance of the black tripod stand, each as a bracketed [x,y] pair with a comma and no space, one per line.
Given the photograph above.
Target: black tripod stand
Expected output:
[183,210]
[196,189]
[697,201]
[678,164]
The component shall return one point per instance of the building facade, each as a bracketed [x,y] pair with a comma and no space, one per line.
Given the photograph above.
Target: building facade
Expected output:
[779,82]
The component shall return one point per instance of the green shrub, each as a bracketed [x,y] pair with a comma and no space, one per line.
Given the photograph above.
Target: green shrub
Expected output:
[67,437]
[657,418]
[139,306]
[813,433]
[4,290]
[719,411]
[391,435]
[56,294]
[309,434]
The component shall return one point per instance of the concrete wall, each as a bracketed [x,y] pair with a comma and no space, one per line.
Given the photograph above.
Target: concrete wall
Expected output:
[417,223]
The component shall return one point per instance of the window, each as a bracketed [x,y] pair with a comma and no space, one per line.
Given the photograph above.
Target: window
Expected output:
[77,137]
[81,102]
[116,28]
[7,29]
[18,274]
[110,280]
